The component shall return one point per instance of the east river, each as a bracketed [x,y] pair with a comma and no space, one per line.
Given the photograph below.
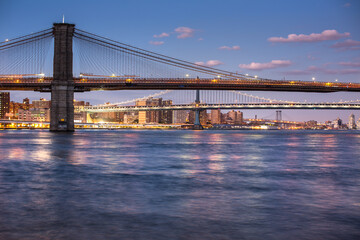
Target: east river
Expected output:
[179,184]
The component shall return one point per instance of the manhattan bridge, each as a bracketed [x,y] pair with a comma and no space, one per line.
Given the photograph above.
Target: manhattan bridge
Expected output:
[105,64]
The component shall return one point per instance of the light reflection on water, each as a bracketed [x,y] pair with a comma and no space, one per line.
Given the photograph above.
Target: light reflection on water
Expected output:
[179,185]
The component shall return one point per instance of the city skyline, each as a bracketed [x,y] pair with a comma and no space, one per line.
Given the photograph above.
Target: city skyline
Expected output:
[326,51]
[39,111]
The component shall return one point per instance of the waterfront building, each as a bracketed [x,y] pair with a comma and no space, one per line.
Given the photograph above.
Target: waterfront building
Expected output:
[34,114]
[24,115]
[351,123]
[234,117]
[215,116]
[15,106]
[80,116]
[337,124]
[25,104]
[164,116]
[311,124]
[42,103]
[40,114]
[203,117]
[4,103]
[179,116]
[130,117]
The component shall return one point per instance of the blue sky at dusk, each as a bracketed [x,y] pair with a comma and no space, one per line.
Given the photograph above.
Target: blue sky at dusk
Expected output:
[272,39]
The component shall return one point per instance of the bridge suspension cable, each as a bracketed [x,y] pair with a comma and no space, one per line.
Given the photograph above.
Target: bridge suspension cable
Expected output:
[24,56]
[115,55]
[215,97]
[206,96]
[137,99]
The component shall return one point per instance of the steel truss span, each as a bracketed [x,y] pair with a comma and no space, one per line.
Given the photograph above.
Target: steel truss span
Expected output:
[248,106]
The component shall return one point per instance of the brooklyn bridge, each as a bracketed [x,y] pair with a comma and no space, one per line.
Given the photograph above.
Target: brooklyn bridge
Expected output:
[105,64]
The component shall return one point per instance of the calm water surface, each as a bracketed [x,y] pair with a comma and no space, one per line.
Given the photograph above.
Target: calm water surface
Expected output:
[144,184]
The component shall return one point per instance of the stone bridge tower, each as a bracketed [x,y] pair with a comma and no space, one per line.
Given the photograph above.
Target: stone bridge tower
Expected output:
[62,87]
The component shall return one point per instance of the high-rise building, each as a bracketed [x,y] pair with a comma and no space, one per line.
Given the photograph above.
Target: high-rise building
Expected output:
[4,104]
[235,117]
[142,114]
[203,117]
[179,116]
[337,124]
[215,116]
[26,104]
[351,123]
[164,116]
[130,117]
[42,103]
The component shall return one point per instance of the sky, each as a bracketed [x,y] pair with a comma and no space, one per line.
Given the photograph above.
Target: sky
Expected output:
[277,39]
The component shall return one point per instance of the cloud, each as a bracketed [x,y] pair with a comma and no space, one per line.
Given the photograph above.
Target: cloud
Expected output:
[311,57]
[210,63]
[348,44]
[156,42]
[268,65]
[313,37]
[234,48]
[350,64]
[164,34]
[314,70]
[184,32]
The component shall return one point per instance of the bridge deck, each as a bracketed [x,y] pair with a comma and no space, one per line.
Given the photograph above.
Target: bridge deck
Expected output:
[318,106]
[90,84]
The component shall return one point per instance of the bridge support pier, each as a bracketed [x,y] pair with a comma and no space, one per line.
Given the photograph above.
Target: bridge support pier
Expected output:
[197,124]
[62,87]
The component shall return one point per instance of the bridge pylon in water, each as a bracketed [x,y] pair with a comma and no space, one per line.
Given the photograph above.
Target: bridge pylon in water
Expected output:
[197,124]
[62,86]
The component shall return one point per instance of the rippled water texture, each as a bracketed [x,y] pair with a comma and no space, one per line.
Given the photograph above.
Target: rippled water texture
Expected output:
[133,184]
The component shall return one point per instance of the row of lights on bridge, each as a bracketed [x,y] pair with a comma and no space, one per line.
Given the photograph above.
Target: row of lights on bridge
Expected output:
[186,75]
[218,76]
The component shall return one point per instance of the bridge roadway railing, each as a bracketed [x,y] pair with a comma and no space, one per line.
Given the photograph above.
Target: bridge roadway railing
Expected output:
[318,106]
[89,84]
